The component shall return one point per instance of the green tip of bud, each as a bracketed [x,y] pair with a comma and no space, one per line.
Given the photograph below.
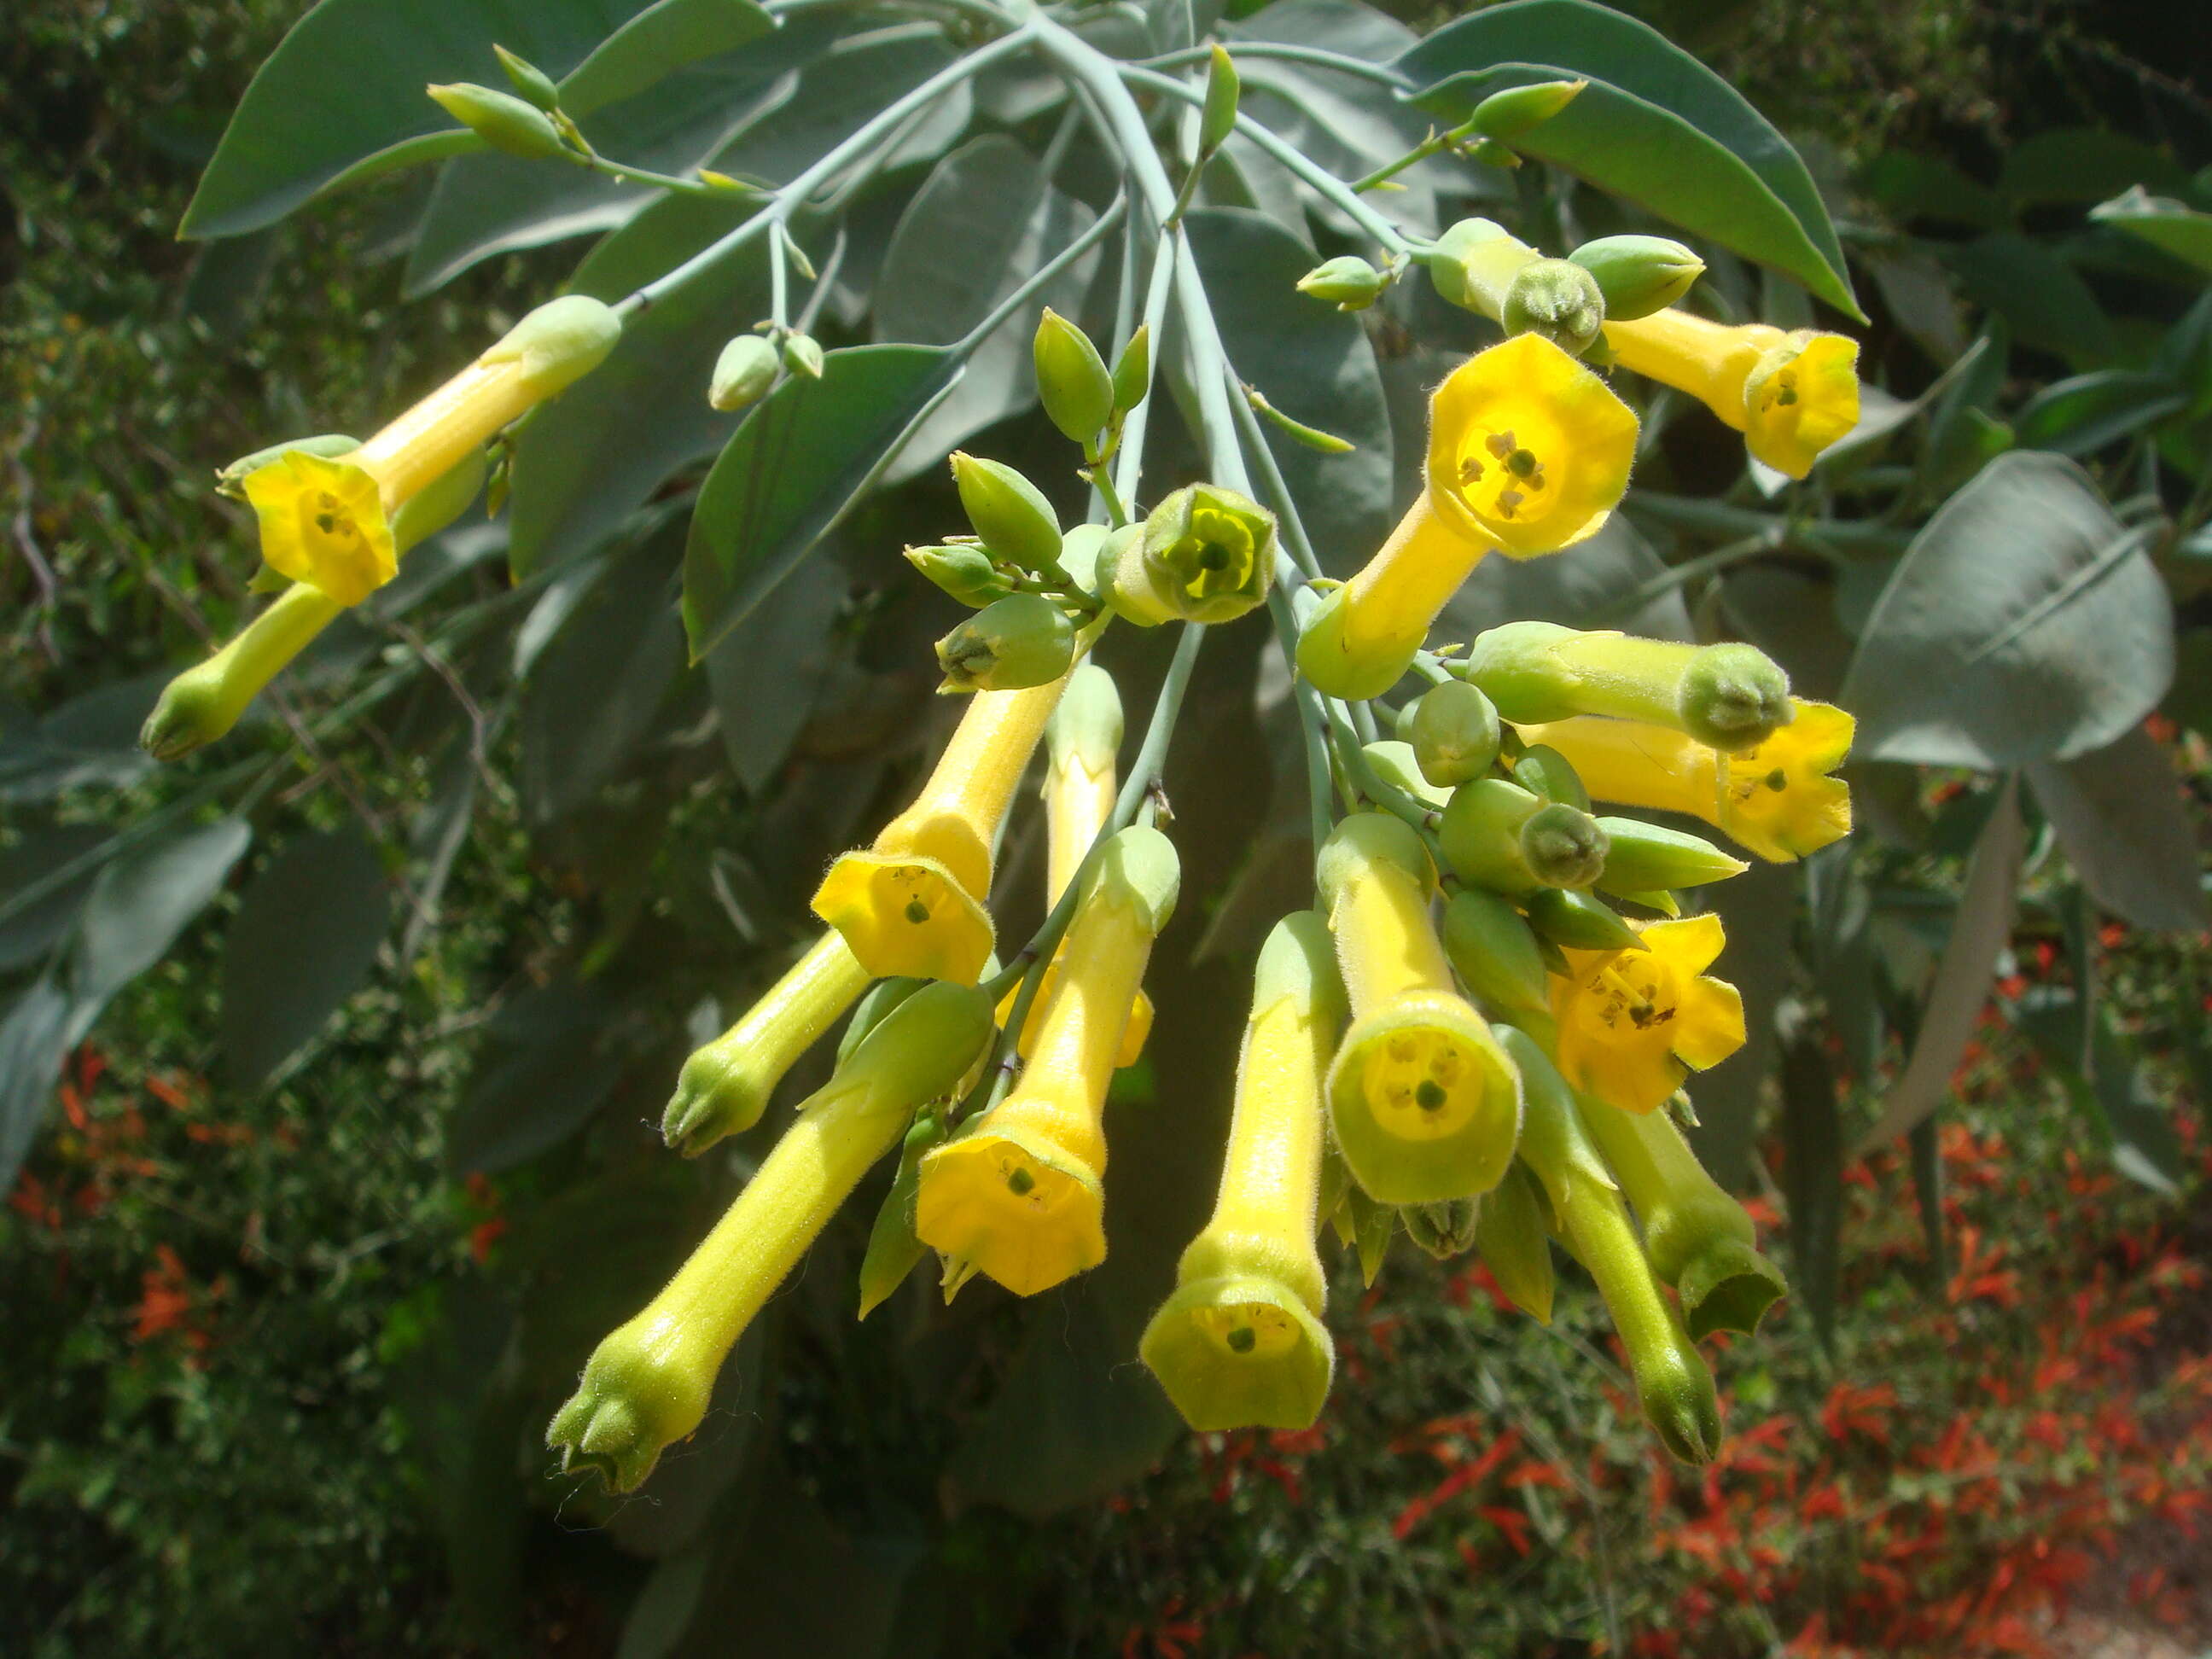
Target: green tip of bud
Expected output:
[1729,1287]
[637,1397]
[1507,114]
[717,1096]
[1499,835]
[1495,951]
[1580,921]
[505,121]
[534,84]
[1348,283]
[964,570]
[1734,696]
[1556,298]
[1207,554]
[802,355]
[1642,858]
[1072,381]
[193,713]
[1562,846]
[605,1438]
[1222,87]
[1543,770]
[1240,1353]
[1677,1391]
[1011,644]
[1365,843]
[744,373]
[1443,1231]
[558,344]
[1011,514]
[1639,274]
[1454,733]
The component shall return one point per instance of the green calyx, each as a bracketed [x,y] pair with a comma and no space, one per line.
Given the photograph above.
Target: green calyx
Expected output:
[1454,733]
[1085,727]
[1645,857]
[508,124]
[1445,1230]
[1506,115]
[1072,381]
[1368,842]
[744,373]
[1514,1243]
[1010,645]
[1138,866]
[1009,513]
[1543,770]
[1499,835]
[1207,554]
[558,344]
[1347,282]
[964,570]
[1556,298]
[1494,951]
[1639,274]
[1580,921]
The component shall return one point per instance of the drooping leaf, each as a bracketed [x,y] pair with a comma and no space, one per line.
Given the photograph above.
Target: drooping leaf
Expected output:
[2173,225]
[138,906]
[1953,1009]
[659,41]
[802,457]
[2118,813]
[991,202]
[2043,298]
[1912,187]
[1654,125]
[89,741]
[2084,413]
[2024,623]
[1313,362]
[2067,165]
[33,931]
[345,87]
[34,1040]
[1812,1173]
[306,933]
[765,673]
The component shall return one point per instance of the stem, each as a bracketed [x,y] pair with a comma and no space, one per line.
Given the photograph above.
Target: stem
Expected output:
[778,278]
[1436,143]
[622,173]
[1319,56]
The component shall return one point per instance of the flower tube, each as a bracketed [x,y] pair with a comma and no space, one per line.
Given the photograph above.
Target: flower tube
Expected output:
[1632,1024]
[1776,800]
[1240,1343]
[648,1381]
[1424,1104]
[1730,695]
[1017,1195]
[1790,394]
[913,903]
[1528,453]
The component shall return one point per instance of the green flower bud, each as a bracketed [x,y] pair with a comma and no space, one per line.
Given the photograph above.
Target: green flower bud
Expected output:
[502,120]
[1734,696]
[962,570]
[1729,696]
[558,344]
[1459,263]
[1498,834]
[1133,370]
[1579,921]
[438,502]
[1008,512]
[1089,552]
[1011,644]
[802,355]
[534,84]
[1073,384]
[744,373]
[1443,1230]
[1218,118]
[1639,274]
[868,1012]
[1207,554]
[1348,283]
[1672,1381]
[1556,298]
[329,446]
[1641,857]
[1455,734]
[1512,1241]
[1494,951]
[1543,770]
[1392,763]
[1507,114]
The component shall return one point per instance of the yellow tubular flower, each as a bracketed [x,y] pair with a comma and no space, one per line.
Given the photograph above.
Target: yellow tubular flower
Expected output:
[1240,1344]
[1018,1195]
[1790,394]
[1528,453]
[913,903]
[327,522]
[1424,1103]
[1633,1023]
[1081,741]
[1777,800]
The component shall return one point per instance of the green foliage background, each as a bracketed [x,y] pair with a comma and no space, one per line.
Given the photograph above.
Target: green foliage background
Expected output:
[329,1448]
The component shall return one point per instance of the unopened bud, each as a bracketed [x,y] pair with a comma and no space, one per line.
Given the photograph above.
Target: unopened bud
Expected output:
[1011,515]
[505,121]
[1556,298]
[534,84]
[1072,383]
[1207,554]
[1495,952]
[1580,921]
[1133,370]
[1639,274]
[1645,857]
[558,344]
[744,373]
[964,570]
[1499,835]
[1443,1230]
[1543,770]
[1454,733]
[1219,119]
[1507,114]
[802,355]
[1010,645]
[1348,283]
[1513,1242]
[1734,696]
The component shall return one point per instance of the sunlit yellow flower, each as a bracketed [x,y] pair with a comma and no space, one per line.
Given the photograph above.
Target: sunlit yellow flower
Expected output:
[1777,800]
[1790,394]
[1240,1344]
[913,903]
[1528,449]
[1424,1104]
[1019,1197]
[648,1381]
[328,522]
[1633,1023]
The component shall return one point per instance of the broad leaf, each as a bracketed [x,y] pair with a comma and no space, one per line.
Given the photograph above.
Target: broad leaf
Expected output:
[306,931]
[30,933]
[138,906]
[2041,296]
[345,87]
[2123,1110]
[2068,165]
[1654,125]
[1813,1170]
[89,741]
[765,673]
[2078,416]
[1313,362]
[660,40]
[541,1076]
[2173,225]
[34,1040]
[2119,815]
[2024,623]
[803,456]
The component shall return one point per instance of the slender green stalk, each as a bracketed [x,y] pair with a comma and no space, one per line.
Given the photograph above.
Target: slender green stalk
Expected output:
[1319,56]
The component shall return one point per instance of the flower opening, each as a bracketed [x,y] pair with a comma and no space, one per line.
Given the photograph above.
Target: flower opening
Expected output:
[1632,1024]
